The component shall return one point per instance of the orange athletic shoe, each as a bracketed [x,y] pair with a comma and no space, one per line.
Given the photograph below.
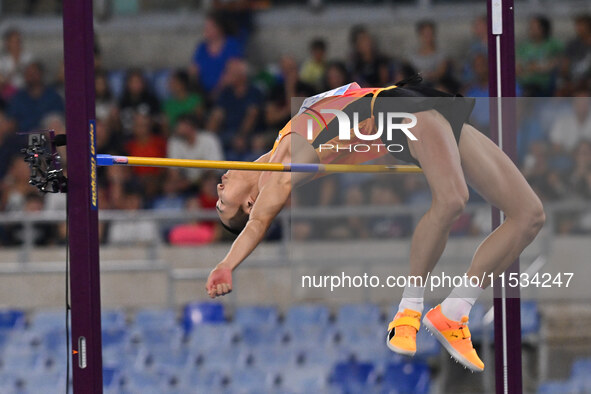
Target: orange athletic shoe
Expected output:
[402,332]
[455,337]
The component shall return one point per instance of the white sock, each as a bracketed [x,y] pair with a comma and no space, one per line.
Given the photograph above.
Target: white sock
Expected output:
[412,298]
[460,302]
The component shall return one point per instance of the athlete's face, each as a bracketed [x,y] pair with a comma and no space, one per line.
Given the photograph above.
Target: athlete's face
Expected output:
[233,194]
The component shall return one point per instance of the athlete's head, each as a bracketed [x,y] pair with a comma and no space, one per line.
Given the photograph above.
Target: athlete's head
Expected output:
[236,196]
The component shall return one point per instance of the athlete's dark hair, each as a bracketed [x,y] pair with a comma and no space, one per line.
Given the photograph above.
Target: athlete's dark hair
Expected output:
[237,223]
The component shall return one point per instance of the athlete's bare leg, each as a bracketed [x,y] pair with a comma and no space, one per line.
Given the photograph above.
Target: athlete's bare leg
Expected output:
[494,176]
[438,153]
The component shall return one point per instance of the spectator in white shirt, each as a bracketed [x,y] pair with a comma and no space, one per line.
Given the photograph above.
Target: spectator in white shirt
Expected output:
[14,58]
[574,125]
[188,142]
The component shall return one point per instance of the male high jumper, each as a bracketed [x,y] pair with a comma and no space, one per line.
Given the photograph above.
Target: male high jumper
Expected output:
[451,153]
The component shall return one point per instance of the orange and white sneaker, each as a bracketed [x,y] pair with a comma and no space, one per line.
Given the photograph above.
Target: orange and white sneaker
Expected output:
[402,332]
[455,337]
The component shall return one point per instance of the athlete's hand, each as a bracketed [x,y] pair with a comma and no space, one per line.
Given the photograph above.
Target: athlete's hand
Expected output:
[219,282]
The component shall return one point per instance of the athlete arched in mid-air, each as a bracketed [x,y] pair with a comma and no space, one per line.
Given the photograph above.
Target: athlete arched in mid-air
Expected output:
[451,153]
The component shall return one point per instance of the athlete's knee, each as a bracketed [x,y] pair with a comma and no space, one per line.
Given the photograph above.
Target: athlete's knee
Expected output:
[450,206]
[532,220]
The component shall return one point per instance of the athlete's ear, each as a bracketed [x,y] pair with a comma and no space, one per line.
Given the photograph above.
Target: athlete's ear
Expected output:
[249,205]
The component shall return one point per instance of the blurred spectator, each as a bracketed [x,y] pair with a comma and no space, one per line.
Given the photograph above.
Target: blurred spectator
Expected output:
[145,144]
[10,143]
[59,82]
[212,55]
[129,232]
[106,105]
[182,101]
[580,177]
[188,142]
[30,104]
[383,194]
[15,185]
[478,87]
[530,128]
[136,97]
[537,58]
[369,66]
[42,233]
[478,46]
[574,125]
[236,113]
[314,67]
[336,75]
[428,60]
[288,86]
[171,197]
[576,62]
[14,59]
[201,232]
[240,14]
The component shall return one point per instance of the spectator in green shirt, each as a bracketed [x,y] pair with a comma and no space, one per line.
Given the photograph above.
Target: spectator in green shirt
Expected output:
[182,101]
[537,58]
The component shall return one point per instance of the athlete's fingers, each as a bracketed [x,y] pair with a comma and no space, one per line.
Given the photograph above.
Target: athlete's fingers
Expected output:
[220,290]
[224,288]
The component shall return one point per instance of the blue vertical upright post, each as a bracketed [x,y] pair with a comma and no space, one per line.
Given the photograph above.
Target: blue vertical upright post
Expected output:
[82,197]
[507,313]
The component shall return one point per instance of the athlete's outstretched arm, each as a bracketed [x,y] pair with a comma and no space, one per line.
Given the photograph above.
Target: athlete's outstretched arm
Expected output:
[271,199]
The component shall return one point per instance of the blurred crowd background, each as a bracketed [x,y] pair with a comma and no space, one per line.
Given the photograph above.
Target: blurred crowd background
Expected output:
[219,105]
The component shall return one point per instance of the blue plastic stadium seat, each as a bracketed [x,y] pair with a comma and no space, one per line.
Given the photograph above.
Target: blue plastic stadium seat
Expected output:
[274,358]
[7,383]
[581,368]
[224,358]
[155,318]
[558,387]
[211,336]
[115,337]
[254,315]
[113,319]
[367,333]
[251,380]
[11,319]
[202,312]
[358,314]
[254,336]
[54,340]
[307,315]
[309,335]
[315,355]
[171,337]
[19,361]
[172,361]
[146,382]
[48,320]
[353,376]
[204,380]
[407,377]
[44,383]
[427,345]
[304,380]
[530,318]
